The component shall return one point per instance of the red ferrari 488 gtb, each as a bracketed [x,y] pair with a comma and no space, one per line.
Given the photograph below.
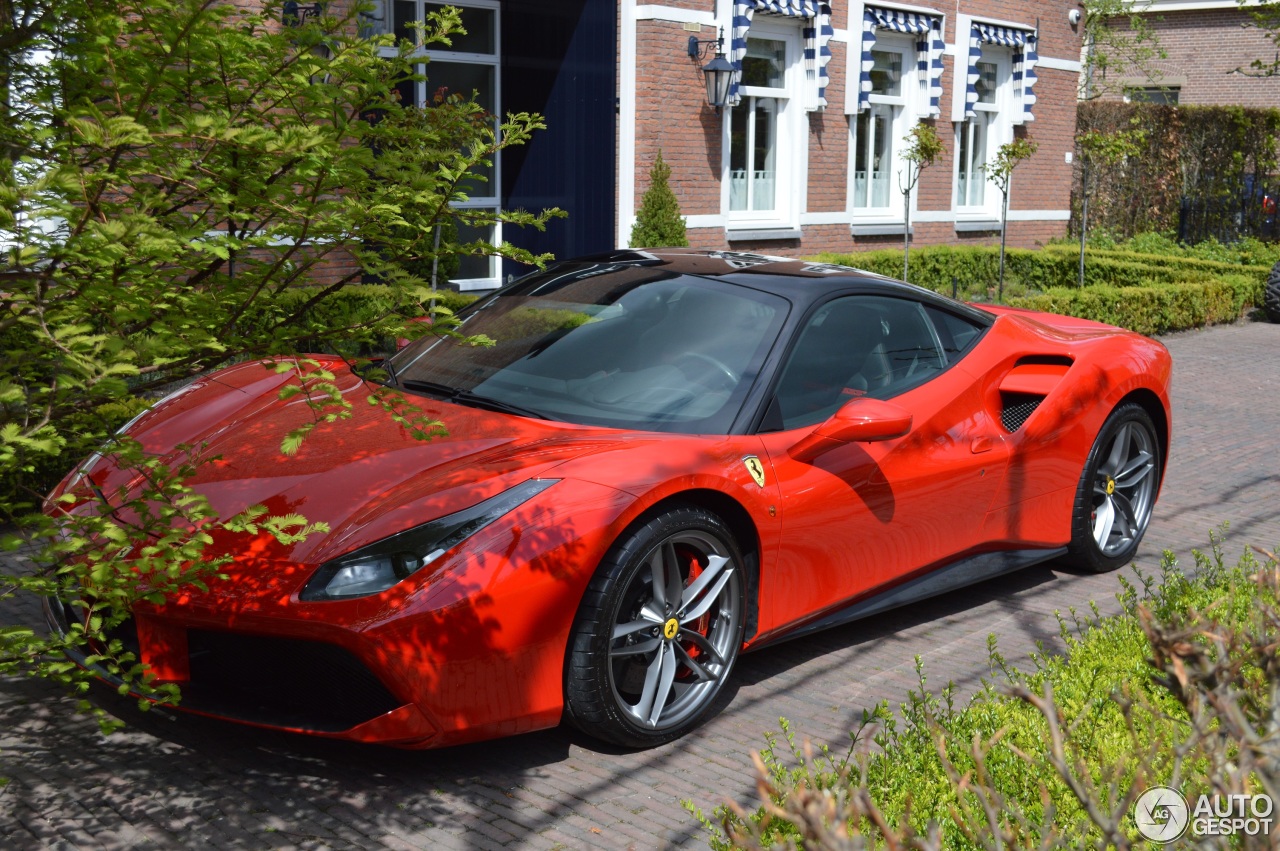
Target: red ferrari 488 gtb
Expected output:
[667,459]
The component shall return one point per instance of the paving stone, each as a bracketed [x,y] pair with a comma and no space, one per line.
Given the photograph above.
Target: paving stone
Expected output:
[168,782]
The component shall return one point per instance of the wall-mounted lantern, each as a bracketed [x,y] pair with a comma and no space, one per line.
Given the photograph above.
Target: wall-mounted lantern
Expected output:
[718,72]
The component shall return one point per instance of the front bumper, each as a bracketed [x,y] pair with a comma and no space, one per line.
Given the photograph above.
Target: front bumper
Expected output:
[290,684]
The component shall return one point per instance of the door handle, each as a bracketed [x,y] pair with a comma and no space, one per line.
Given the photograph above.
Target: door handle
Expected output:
[980,444]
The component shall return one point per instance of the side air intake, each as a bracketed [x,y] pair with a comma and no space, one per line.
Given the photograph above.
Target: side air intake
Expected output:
[1026,386]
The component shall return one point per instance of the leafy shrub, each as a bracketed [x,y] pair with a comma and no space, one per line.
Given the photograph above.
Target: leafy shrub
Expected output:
[1203,152]
[1152,310]
[1148,293]
[1179,689]
[658,221]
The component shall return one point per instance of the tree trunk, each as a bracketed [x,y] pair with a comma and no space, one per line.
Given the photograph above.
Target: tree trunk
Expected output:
[906,233]
[1004,228]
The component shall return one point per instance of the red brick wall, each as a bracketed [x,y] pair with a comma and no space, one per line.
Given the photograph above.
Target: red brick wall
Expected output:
[672,114]
[1204,48]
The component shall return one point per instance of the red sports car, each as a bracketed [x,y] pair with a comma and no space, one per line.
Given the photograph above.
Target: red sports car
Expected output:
[667,459]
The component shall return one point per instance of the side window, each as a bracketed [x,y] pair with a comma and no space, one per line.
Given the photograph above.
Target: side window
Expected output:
[852,347]
[955,333]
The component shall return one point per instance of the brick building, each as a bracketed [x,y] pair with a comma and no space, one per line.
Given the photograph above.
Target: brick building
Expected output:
[826,176]
[1206,44]
[806,157]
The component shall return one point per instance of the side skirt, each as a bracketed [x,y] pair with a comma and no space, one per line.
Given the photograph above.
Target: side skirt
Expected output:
[952,577]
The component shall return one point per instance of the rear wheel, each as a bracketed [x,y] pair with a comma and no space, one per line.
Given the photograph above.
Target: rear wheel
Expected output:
[1116,492]
[658,630]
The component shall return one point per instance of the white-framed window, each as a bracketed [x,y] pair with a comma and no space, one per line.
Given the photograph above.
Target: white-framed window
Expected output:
[1152,94]
[979,137]
[471,64]
[877,131]
[763,141]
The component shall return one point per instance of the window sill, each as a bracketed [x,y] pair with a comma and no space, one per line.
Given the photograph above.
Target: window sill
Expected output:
[475,285]
[761,234]
[978,226]
[887,229]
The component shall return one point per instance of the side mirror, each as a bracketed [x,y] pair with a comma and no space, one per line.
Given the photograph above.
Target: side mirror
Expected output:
[858,421]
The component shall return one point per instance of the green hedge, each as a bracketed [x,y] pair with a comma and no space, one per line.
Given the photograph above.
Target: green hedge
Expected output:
[352,306]
[1152,310]
[1148,293]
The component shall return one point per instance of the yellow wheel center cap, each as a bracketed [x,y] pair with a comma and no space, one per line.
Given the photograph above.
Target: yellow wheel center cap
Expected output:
[1111,486]
[671,629]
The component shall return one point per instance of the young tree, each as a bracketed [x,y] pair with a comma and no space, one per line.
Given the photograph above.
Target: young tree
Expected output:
[658,221]
[1102,149]
[1000,172]
[922,147]
[175,170]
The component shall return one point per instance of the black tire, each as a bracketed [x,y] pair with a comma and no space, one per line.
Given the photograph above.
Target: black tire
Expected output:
[1271,294]
[1117,491]
[657,681]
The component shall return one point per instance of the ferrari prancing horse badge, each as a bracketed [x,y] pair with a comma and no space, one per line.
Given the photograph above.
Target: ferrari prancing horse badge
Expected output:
[755,468]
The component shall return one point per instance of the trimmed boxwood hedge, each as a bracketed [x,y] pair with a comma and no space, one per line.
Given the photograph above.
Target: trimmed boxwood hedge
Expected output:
[1148,293]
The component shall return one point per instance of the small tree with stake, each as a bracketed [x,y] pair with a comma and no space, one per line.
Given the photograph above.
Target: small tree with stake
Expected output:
[1000,172]
[923,147]
[658,221]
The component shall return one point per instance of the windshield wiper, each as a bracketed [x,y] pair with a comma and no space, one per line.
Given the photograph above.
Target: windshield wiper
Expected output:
[478,401]
[467,397]
[444,391]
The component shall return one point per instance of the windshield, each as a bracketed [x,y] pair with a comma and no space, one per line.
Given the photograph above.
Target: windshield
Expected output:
[608,344]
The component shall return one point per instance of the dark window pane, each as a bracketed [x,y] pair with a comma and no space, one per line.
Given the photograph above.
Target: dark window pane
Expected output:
[406,12]
[470,266]
[480,24]
[764,62]
[954,332]
[860,346]
[465,79]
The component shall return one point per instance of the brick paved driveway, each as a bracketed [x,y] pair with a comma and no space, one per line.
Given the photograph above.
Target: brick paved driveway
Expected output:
[188,782]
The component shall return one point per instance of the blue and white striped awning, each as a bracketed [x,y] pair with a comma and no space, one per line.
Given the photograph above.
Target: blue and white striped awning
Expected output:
[817,33]
[1023,43]
[929,49]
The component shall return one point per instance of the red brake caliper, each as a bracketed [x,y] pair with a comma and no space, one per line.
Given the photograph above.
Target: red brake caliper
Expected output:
[702,624]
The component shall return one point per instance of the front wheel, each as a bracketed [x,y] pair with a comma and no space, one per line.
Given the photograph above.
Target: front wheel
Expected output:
[658,630]
[1116,492]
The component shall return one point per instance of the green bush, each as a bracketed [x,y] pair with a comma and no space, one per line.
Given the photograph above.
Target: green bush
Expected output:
[351,306]
[1147,310]
[960,774]
[658,221]
[1148,293]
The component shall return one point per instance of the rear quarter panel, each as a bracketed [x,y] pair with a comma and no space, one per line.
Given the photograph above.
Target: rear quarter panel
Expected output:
[1048,453]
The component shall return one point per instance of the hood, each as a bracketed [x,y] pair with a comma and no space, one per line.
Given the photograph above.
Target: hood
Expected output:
[367,477]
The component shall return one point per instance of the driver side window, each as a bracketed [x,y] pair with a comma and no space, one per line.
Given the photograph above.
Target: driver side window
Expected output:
[853,347]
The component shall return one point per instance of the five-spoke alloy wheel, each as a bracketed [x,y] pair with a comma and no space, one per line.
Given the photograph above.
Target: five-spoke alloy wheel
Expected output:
[658,630]
[1117,491]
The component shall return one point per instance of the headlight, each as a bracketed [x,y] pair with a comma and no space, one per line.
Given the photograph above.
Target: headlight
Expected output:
[375,568]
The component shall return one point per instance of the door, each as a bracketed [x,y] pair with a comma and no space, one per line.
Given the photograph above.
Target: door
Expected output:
[865,515]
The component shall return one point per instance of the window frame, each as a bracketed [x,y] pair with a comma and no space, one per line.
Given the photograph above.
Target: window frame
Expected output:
[791,167]
[908,112]
[424,56]
[1000,132]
